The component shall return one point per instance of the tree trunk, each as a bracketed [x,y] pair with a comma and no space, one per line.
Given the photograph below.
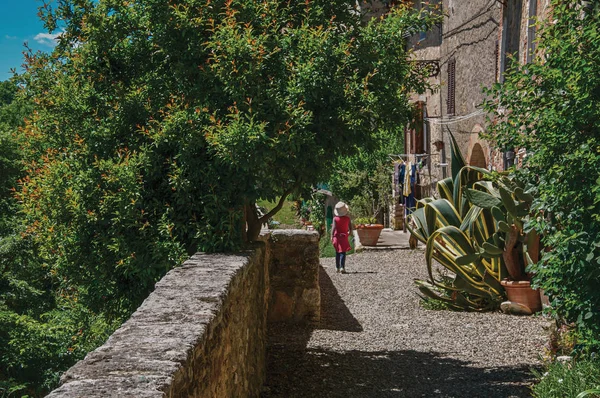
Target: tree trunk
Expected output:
[253,222]
[533,248]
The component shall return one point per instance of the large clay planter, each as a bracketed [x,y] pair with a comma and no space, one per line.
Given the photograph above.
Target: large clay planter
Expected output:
[522,293]
[369,234]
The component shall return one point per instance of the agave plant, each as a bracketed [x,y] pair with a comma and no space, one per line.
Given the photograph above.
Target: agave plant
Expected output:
[594,392]
[474,230]
[510,205]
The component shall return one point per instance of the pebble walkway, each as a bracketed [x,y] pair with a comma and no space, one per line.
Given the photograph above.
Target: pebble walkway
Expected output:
[376,340]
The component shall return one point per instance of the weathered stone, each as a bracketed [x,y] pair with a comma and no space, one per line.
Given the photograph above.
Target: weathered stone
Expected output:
[202,332]
[564,358]
[294,276]
[282,306]
[510,307]
[204,322]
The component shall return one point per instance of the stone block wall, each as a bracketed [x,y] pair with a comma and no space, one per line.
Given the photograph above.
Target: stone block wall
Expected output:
[294,276]
[202,332]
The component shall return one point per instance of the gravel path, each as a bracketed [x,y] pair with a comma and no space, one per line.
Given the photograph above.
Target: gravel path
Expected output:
[375,340]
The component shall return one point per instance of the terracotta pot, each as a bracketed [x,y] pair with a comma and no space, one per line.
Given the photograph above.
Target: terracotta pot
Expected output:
[369,234]
[522,293]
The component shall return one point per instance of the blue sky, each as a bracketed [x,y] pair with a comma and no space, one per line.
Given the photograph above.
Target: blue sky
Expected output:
[19,23]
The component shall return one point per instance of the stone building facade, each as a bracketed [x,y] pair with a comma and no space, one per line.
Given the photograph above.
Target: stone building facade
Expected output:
[470,50]
[517,38]
[465,47]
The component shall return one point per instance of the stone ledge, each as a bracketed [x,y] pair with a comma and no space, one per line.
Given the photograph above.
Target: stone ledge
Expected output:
[202,331]
[296,235]
[144,356]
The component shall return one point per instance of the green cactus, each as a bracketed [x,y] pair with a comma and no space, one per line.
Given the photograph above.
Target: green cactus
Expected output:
[475,230]
[510,206]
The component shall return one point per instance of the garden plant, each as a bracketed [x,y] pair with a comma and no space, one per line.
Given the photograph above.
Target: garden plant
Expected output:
[476,230]
[549,108]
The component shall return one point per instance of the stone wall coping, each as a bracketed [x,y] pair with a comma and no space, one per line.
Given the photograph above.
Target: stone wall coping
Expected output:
[295,234]
[141,357]
[202,331]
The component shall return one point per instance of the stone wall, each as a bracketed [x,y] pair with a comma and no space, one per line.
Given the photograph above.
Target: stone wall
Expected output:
[202,332]
[294,276]
[468,40]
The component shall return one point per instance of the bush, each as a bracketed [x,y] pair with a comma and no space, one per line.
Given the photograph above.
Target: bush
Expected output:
[550,107]
[364,180]
[567,379]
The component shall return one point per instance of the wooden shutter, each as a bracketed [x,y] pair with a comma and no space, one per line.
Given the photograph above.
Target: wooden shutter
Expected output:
[419,148]
[450,101]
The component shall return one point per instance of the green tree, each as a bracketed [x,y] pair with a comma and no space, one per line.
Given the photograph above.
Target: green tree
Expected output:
[364,179]
[151,131]
[41,333]
[550,107]
[12,114]
[154,128]
[157,124]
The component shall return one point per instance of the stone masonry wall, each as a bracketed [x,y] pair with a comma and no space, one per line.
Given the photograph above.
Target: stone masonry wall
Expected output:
[294,276]
[202,332]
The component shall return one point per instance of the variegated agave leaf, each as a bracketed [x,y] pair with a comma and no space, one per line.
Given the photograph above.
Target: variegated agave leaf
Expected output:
[473,288]
[445,188]
[431,215]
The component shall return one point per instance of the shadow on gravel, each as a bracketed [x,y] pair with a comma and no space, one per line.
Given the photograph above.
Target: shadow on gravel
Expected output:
[360,272]
[334,313]
[334,316]
[293,370]
[319,373]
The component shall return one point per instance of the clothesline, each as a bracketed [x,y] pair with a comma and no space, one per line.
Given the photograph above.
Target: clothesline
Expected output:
[452,119]
[393,156]
[410,154]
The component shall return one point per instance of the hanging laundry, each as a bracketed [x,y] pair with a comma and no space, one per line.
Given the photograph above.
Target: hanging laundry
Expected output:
[401,172]
[407,176]
[414,177]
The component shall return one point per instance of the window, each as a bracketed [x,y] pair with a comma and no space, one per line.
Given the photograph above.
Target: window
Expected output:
[511,34]
[450,100]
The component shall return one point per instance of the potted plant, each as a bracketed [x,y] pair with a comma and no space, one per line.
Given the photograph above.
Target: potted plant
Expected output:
[368,231]
[510,206]
[476,230]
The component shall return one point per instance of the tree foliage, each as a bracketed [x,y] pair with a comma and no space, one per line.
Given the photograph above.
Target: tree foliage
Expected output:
[12,113]
[364,180]
[550,108]
[42,331]
[157,123]
[155,126]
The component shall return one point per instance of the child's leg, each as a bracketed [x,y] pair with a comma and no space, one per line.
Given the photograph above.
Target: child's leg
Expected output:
[337,261]
[343,260]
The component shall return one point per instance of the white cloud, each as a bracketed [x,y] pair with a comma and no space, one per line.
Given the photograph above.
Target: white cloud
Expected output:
[47,39]
[9,37]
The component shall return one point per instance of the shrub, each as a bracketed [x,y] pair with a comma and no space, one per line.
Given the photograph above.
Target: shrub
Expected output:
[567,379]
[550,108]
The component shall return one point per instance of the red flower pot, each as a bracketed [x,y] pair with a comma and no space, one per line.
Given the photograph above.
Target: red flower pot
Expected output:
[522,293]
[368,234]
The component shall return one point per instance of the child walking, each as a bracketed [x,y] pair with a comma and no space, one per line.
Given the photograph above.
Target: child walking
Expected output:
[340,231]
